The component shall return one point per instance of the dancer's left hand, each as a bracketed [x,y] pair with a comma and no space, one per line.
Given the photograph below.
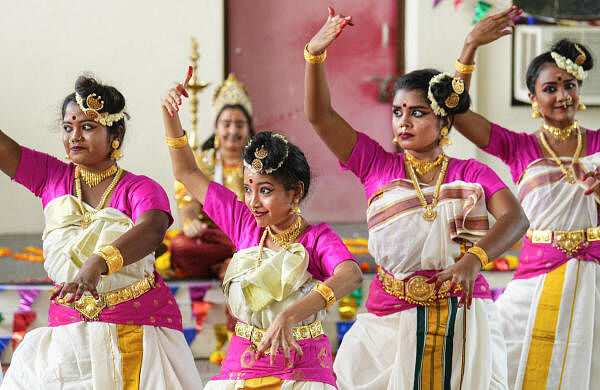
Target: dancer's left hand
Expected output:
[592,180]
[279,336]
[462,273]
[86,280]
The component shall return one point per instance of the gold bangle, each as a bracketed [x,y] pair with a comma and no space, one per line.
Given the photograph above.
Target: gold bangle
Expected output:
[179,142]
[463,68]
[327,294]
[312,58]
[112,255]
[481,255]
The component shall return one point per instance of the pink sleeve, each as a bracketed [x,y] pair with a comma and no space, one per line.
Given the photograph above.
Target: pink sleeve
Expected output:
[484,175]
[44,175]
[146,194]
[230,215]
[372,164]
[593,141]
[517,150]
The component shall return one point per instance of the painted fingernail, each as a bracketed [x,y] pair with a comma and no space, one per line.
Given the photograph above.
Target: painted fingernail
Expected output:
[331,11]
[350,24]
[190,70]
[185,94]
[170,113]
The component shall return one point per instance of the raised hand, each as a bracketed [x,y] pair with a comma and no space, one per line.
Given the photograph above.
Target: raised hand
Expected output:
[493,27]
[171,100]
[332,28]
[86,280]
[462,273]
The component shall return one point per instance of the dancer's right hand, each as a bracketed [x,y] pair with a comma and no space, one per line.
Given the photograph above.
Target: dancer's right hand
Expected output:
[171,100]
[493,27]
[332,28]
[194,228]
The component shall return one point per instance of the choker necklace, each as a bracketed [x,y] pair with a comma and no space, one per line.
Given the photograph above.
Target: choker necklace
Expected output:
[569,173]
[422,166]
[429,214]
[87,215]
[288,236]
[92,179]
[558,133]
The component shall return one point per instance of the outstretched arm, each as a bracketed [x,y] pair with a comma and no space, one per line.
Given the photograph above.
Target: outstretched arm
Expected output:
[10,155]
[184,165]
[472,125]
[337,134]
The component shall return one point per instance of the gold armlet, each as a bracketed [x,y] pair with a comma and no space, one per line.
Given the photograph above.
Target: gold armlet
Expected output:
[314,59]
[465,69]
[327,294]
[113,258]
[177,143]
[481,255]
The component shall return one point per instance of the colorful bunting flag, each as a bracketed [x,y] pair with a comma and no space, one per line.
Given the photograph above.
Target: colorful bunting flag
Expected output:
[436,2]
[3,343]
[481,8]
[21,322]
[189,334]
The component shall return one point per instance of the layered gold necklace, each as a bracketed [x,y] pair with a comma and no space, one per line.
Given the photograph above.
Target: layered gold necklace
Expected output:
[429,214]
[569,173]
[422,166]
[283,239]
[87,215]
[558,133]
[92,179]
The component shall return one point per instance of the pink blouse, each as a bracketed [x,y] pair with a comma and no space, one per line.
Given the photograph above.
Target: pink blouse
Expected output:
[375,167]
[518,150]
[324,247]
[49,178]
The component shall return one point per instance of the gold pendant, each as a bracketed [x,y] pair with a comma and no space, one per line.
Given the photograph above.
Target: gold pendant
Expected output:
[86,221]
[430,214]
[571,177]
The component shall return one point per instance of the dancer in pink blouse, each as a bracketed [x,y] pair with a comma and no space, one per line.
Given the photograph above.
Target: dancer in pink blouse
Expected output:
[286,272]
[113,321]
[548,312]
[428,232]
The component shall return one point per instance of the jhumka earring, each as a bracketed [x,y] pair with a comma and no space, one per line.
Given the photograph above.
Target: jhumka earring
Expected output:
[67,157]
[116,153]
[395,140]
[536,113]
[216,143]
[581,106]
[444,140]
[295,210]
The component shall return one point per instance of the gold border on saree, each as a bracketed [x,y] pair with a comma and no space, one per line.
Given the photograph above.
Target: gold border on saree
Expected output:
[90,308]
[255,334]
[568,242]
[415,290]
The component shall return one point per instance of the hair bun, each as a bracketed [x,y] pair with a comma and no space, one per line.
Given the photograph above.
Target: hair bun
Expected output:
[114,101]
[449,93]
[573,50]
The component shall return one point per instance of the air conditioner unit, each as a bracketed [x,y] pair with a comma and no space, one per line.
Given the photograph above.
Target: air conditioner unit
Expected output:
[533,40]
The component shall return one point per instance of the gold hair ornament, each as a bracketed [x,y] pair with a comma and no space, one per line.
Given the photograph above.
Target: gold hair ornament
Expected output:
[569,66]
[439,111]
[580,60]
[312,58]
[257,165]
[94,105]
[458,86]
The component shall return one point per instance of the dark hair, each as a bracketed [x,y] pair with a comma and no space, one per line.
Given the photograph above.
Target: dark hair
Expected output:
[295,168]
[418,80]
[113,100]
[565,48]
[209,143]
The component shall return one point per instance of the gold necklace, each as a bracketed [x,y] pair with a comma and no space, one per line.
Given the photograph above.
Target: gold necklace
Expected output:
[287,236]
[558,133]
[429,214]
[87,215]
[570,173]
[93,178]
[422,166]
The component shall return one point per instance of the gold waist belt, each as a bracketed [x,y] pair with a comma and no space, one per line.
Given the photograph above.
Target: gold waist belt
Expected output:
[568,242]
[255,334]
[90,308]
[415,290]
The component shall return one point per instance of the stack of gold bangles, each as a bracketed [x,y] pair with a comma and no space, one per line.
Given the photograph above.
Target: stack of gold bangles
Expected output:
[463,68]
[112,255]
[312,58]
[178,142]
[481,255]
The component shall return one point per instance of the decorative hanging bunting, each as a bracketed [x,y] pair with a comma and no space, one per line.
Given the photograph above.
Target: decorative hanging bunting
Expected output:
[481,8]
[457,3]
[342,328]
[174,290]
[27,298]
[436,2]
[3,343]
[21,322]
[189,334]
[200,309]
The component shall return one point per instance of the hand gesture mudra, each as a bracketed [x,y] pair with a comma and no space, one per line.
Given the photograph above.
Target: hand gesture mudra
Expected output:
[86,280]
[460,274]
[493,27]
[332,29]
[171,100]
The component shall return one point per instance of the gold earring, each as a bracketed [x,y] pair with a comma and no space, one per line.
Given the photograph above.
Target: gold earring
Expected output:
[67,157]
[217,142]
[116,154]
[395,141]
[115,144]
[444,140]
[536,113]
[295,209]
[581,106]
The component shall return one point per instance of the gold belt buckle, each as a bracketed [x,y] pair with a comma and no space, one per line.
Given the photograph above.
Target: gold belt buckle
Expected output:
[540,236]
[89,307]
[569,242]
[593,234]
[418,290]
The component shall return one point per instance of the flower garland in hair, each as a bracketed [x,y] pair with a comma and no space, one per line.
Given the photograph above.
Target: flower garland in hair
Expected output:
[439,111]
[569,66]
[95,104]
[260,153]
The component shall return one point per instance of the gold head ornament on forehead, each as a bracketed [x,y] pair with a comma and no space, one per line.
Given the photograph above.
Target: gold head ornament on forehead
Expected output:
[94,104]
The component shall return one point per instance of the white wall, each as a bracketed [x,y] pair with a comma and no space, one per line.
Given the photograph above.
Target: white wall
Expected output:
[140,47]
[434,38]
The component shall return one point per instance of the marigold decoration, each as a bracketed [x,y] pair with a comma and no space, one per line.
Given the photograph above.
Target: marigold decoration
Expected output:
[357,246]
[506,263]
[365,266]
[5,252]
[222,335]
